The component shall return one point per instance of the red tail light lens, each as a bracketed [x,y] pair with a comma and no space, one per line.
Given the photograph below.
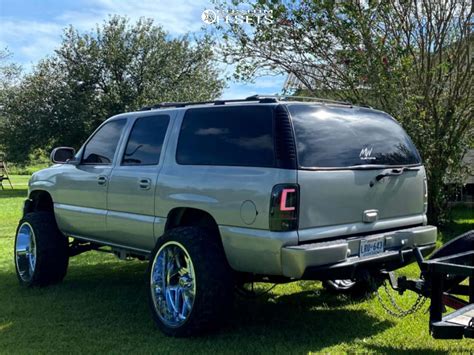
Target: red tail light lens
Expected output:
[284,207]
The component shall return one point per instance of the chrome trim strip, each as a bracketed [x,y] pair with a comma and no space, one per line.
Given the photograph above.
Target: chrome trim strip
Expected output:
[133,216]
[80,209]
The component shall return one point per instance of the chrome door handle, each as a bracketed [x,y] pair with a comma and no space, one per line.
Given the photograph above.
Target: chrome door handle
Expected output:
[102,180]
[144,184]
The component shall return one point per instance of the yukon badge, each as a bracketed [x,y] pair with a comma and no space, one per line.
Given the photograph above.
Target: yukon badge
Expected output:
[365,153]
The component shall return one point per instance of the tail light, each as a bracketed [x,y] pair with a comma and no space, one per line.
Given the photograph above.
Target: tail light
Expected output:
[284,205]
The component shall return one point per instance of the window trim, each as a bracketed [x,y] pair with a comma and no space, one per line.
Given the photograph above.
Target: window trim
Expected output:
[130,134]
[84,147]
[271,110]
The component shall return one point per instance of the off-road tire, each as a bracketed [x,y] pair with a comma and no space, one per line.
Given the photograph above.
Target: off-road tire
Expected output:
[51,250]
[214,281]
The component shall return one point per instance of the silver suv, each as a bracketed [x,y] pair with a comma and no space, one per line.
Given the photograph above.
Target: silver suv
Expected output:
[219,194]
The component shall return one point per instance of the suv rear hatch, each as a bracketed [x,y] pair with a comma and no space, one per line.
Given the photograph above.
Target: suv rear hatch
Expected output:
[358,172]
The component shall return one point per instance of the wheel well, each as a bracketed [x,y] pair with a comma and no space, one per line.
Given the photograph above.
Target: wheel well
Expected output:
[184,216]
[39,201]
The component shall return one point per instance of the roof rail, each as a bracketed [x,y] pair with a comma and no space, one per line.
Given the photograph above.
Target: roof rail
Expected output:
[309,98]
[215,102]
[256,98]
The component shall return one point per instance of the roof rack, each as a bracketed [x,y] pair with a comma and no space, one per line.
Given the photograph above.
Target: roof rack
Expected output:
[309,98]
[256,98]
[215,102]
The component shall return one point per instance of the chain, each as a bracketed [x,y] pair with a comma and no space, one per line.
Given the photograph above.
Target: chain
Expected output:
[399,312]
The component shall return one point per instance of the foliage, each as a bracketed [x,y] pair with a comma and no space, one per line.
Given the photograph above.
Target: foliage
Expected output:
[9,72]
[115,68]
[411,58]
[9,75]
[37,160]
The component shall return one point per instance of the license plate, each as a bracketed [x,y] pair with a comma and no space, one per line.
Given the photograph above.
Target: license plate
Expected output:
[371,246]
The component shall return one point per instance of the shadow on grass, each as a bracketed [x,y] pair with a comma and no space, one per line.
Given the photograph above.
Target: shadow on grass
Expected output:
[102,307]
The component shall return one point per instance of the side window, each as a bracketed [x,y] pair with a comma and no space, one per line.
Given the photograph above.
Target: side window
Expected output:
[146,140]
[232,136]
[101,147]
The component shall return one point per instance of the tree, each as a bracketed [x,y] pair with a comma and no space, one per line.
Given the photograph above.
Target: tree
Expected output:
[410,58]
[9,72]
[9,76]
[115,68]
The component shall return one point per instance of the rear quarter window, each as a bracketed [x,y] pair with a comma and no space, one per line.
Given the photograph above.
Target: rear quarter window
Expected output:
[228,136]
[332,137]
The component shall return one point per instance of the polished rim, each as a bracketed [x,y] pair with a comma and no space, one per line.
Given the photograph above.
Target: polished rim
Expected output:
[173,284]
[25,252]
[344,284]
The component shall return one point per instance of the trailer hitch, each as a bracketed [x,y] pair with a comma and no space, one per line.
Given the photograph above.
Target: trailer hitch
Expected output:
[402,283]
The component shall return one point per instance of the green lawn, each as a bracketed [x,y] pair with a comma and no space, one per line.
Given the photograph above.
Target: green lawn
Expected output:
[101,307]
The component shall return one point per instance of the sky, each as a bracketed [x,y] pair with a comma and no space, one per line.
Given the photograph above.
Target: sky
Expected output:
[32,29]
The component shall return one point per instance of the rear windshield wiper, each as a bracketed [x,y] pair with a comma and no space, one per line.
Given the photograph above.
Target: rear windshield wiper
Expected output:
[392,172]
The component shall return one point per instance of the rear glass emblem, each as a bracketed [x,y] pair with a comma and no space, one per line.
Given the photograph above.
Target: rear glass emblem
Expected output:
[365,153]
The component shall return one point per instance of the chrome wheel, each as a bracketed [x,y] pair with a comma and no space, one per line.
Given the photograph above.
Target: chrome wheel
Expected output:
[343,284]
[25,252]
[173,284]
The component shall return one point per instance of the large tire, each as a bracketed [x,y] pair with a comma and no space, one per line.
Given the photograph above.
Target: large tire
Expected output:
[207,290]
[41,250]
[460,244]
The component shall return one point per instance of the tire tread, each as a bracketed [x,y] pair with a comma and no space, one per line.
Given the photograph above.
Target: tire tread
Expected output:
[214,280]
[51,250]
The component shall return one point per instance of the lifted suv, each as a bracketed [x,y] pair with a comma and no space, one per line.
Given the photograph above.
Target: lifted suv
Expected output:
[218,194]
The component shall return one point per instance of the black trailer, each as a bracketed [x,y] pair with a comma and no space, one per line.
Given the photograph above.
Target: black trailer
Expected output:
[447,278]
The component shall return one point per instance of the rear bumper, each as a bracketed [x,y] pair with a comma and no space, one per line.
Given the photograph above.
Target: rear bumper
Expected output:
[339,259]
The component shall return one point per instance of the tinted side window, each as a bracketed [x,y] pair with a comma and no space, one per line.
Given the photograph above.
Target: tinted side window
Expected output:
[232,136]
[145,141]
[101,148]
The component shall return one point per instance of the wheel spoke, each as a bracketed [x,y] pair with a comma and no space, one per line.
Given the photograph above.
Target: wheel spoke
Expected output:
[187,304]
[172,269]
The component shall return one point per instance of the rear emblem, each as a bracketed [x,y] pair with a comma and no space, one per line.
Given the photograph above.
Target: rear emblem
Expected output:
[365,153]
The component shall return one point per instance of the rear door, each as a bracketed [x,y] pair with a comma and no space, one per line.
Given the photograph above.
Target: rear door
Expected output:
[341,151]
[131,193]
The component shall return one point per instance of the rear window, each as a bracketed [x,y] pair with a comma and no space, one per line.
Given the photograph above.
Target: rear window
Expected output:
[340,137]
[231,136]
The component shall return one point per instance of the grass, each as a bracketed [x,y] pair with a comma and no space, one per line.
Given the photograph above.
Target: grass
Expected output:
[101,307]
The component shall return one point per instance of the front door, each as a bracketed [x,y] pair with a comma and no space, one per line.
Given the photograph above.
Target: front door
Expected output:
[130,198]
[81,203]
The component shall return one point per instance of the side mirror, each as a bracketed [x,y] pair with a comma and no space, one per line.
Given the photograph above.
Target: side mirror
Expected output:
[62,155]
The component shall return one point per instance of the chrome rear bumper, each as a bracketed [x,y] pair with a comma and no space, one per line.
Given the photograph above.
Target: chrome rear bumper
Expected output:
[340,258]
